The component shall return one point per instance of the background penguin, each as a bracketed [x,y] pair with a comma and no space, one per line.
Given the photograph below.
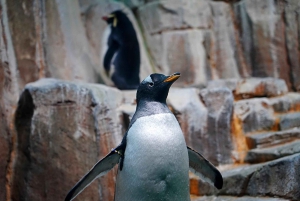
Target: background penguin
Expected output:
[154,160]
[123,49]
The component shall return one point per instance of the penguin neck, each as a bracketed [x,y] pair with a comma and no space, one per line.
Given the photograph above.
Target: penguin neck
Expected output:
[147,108]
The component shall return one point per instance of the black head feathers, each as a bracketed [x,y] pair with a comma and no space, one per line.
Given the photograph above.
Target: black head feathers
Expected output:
[156,87]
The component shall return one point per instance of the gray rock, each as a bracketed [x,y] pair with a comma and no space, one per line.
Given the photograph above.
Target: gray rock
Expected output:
[287,103]
[268,139]
[219,104]
[255,114]
[278,178]
[291,18]
[271,153]
[253,87]
[63,130]
[182,54]
[231,198]
[290,120]
[65,50]
[192,117]
[160,16]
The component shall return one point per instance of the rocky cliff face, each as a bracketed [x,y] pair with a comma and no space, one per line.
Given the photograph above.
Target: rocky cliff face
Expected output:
[53,130]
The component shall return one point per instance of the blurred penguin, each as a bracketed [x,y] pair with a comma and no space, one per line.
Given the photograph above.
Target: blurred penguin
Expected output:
[123,51]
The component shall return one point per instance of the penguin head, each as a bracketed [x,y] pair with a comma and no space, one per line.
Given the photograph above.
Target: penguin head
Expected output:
[155,87]
[114,17]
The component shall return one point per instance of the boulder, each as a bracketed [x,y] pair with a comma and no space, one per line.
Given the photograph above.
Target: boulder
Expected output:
[278,178]
[259,155]
[63,129]
[290,120]
[252,87]
[289,102]
[272,138]
[219,104]
[255,115]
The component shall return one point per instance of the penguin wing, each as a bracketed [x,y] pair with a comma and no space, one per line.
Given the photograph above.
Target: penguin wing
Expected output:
[99,169]
[204,169]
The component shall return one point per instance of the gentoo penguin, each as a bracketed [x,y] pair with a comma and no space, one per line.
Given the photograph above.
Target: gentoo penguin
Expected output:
[123,49]
[154,161]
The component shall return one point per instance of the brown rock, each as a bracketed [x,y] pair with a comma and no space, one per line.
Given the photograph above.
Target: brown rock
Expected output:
[63,129]
[262,29]
[8,101]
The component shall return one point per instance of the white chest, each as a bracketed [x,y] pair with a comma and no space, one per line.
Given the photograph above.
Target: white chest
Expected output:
[156,161]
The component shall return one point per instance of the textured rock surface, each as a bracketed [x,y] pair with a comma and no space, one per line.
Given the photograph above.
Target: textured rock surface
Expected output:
[259,155]
[255,114]
[219,103]
[230,198]
[63,129]
[287,103]
[290,120]
[191,114]
[190,60]
[278,178]
[252,87]
[272,138]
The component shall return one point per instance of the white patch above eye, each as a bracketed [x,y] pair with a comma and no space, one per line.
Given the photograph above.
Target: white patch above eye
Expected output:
[148,79]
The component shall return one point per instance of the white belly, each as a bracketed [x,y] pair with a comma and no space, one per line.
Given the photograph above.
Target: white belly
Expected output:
[156,162]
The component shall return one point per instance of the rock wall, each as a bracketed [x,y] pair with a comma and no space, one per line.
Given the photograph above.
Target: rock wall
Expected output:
[60,127]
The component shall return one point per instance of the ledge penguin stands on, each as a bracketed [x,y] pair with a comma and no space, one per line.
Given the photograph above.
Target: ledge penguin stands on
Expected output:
[123,46]
[154,161]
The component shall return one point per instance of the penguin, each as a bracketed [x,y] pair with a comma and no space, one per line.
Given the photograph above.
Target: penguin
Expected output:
[123,51]
[153,158]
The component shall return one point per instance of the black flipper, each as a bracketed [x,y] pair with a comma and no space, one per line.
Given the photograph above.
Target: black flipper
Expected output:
[113,46]
[204,169]
[99,169]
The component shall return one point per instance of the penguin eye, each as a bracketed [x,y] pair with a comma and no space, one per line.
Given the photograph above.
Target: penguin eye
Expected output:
[151,84]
